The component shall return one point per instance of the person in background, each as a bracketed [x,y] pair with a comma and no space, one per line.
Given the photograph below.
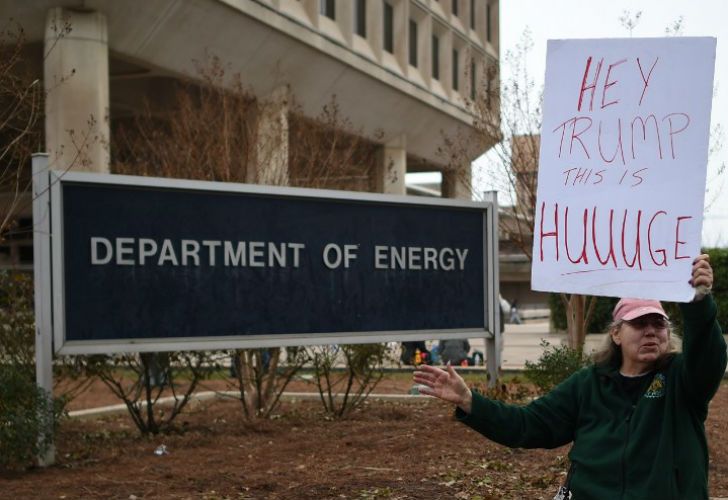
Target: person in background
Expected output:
[457,352]
[515,317]
[410,350]
[635,416]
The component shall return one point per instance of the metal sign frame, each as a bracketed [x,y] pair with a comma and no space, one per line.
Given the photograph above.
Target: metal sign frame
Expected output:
[52,273]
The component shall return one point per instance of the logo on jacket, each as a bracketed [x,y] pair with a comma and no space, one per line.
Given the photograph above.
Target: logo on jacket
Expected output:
[657,387]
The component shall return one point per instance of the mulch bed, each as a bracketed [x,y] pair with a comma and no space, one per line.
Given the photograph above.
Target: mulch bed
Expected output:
[388,449]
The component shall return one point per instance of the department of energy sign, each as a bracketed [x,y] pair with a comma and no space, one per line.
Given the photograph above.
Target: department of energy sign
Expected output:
[622,166]
[159,264]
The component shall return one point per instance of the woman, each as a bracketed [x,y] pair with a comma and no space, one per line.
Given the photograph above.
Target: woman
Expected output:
[636,416]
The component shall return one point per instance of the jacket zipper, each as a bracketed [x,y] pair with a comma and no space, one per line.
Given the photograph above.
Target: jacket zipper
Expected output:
[624,451]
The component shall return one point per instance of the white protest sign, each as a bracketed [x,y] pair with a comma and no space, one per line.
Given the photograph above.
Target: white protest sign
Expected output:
[624,151]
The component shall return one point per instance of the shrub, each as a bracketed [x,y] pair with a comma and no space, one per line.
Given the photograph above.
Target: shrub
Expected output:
[17,323]
[603,310]
[719,263]
[342,391]
[261,377]
[512,391]
[554,366]
[28,418]
[140,380]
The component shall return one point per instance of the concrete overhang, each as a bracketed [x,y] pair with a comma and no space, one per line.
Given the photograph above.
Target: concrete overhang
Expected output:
[268,50]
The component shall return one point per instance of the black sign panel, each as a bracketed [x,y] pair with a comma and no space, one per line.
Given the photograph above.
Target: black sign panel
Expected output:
[144,262]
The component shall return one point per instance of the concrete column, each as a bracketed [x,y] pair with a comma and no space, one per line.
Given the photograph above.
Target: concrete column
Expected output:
[392,168]
[270,159]
[76,79]
[457,183]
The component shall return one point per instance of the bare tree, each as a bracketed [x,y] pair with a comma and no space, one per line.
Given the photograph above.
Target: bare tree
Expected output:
[213,131]
[21,111]
[151,374]
[22,101]
[629,21]
[507,114]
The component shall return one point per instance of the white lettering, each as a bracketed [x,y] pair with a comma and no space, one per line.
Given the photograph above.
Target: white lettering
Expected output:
[414,257]
[337,252]
[462,254]
[190,249]
[398,258]
[297,247]
[147,248]
[167,254]
[448,264]
[95,259]
[255,249]
[430,258]
[211,246]
[349,254]
[234,256]
[276,254]
[124,246]
[380,254]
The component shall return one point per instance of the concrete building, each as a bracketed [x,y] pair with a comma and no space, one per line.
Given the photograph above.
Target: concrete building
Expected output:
[402,72]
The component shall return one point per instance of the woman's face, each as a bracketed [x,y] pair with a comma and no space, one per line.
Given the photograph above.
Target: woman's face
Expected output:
[643,340]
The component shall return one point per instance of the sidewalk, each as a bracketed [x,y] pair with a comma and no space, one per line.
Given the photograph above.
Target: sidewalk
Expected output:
[523,342]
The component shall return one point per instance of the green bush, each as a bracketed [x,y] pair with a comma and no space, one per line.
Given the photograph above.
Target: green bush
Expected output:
[603,310]
[26,412]
[17,322]
[554,366]
[719,263]
[27,418]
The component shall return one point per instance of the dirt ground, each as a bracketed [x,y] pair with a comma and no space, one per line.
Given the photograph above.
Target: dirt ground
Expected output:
[389,449]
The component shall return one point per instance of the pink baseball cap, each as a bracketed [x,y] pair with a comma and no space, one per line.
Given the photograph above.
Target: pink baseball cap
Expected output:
[629,309]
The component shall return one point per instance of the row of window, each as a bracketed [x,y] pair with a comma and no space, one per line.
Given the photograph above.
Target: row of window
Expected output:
[328,9]
[435,45]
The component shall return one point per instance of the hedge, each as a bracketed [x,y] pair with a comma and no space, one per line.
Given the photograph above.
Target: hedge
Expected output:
[603,310]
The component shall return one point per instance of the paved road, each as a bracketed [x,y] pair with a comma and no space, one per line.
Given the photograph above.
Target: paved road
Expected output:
[523,342]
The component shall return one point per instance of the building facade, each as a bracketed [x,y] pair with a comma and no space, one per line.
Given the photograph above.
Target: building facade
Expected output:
[402,71]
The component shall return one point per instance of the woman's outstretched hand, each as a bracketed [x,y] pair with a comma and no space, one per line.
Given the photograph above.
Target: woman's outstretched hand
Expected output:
[444,384]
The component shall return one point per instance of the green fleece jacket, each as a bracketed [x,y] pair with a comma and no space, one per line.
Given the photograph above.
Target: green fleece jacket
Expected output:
[655,449]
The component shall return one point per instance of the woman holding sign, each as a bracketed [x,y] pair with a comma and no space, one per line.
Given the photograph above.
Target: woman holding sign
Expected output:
[636,416]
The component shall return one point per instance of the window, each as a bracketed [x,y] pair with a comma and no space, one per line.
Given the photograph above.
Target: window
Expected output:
[472,80]
[487,22]
[435,57]
[360,18]
[455,69]
[455,7]
[388,28]
[327,8]
[472,14]
[413,43]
